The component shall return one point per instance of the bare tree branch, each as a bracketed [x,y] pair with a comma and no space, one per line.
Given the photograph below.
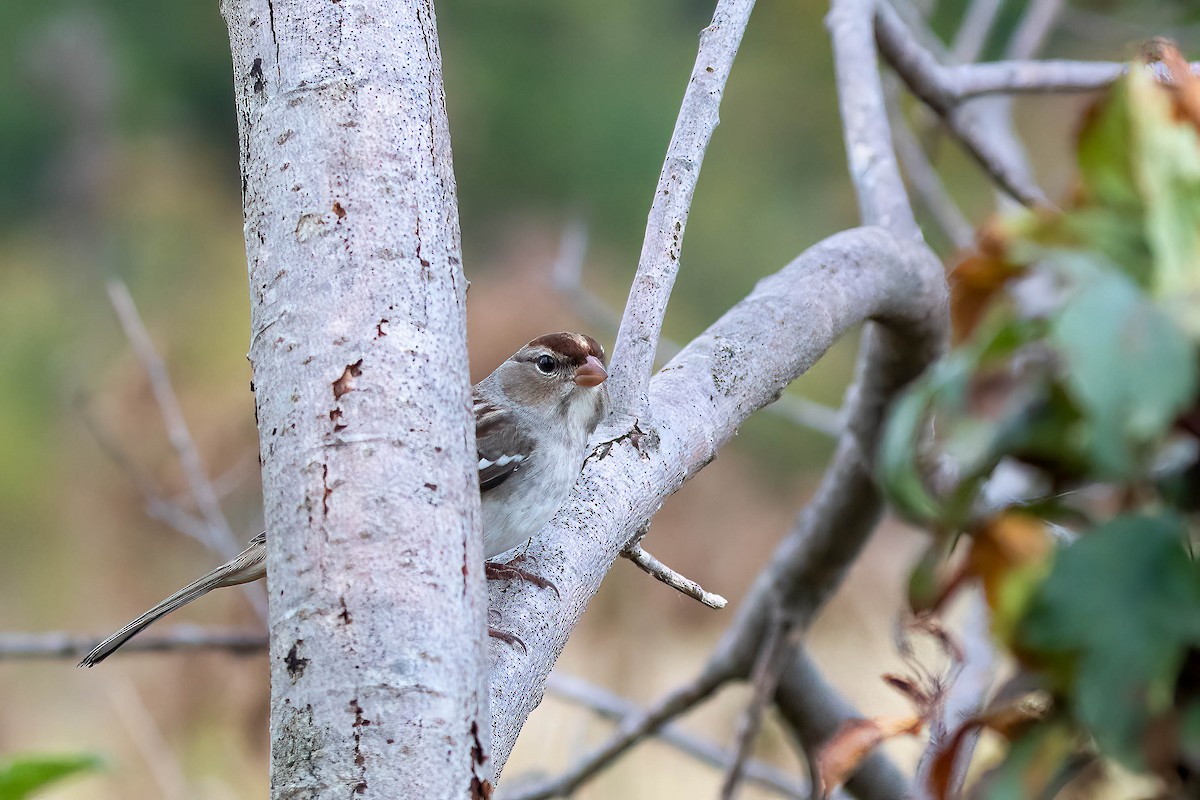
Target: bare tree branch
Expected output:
[926,183]
[814,711]
[221,538]
[633,729]
[641,325]
[363,398]
[216,533]
[882,199]
[973,32]
[1034,27]
[660,571]
[614,707]
[774,651]
[701,398]
[156,753]
[57,645]
[923,75]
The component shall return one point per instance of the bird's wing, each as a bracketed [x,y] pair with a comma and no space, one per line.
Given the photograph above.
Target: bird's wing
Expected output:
[501,448]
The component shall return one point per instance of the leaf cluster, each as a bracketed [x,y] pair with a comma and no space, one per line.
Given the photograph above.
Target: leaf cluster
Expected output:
[1055,452]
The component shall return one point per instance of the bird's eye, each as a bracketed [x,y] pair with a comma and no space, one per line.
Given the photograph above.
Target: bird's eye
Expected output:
[546,364]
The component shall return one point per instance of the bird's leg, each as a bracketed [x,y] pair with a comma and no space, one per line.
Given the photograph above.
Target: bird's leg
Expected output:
[505,572]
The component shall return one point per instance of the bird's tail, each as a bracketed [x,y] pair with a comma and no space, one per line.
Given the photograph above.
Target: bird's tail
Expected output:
[249,565]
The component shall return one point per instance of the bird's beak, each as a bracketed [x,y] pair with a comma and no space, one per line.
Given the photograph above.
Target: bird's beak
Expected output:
[591,373]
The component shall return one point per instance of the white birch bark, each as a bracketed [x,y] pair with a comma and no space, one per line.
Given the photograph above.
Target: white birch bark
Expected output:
[378,604]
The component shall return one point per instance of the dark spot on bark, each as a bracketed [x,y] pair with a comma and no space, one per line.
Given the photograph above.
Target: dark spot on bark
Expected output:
[337,209]
[256,73]
[336,417]
[251,387]
[431,487]
[344,616]
[361,786]
[295,663]
[283,137]
[328,491]
[481,788]
[345,383]
[379,331]
[359,720]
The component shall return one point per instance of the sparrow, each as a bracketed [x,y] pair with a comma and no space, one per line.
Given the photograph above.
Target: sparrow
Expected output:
[533,417]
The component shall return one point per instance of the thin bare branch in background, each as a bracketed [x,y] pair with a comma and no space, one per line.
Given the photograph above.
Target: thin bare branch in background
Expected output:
[156,751]
[660,571]
[181,638]
[774,652]
[613,707]
[926,183]
[166,510]
[219,536]
[1034,28]
[923,76]
[641,324]
[972,34]
[633,729]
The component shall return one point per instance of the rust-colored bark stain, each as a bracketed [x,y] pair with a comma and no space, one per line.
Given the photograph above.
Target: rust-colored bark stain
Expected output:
[339,210]
[345,383]
[481,788]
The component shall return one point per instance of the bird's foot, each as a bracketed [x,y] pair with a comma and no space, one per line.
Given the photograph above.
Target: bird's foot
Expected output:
[505,572]
[506,637]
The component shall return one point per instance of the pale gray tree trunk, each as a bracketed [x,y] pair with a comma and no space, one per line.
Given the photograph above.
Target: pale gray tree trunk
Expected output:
[378,606]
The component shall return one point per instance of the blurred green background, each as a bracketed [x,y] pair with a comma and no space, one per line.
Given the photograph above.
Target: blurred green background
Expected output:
[119,160]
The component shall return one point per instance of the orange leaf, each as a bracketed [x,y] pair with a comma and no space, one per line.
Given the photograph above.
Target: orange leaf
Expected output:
[1004,544]
[975,281]
[841,756]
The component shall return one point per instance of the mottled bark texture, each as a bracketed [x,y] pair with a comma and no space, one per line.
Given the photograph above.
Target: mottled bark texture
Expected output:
[378,607]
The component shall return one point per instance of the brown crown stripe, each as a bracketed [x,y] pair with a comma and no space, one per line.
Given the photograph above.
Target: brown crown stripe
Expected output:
[574,346]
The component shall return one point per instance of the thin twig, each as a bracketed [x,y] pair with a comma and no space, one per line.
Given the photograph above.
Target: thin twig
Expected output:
[612,706]
[926,183]
[567,274]
[973,32]
[157,506]
[774,652]
[660,571]
[658,265]
[59,645]
[923,75]
[633,729]
[220,536]
[156,752]
[1034,27]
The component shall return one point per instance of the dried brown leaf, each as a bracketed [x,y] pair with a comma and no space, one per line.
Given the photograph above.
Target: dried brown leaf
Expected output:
[841,756]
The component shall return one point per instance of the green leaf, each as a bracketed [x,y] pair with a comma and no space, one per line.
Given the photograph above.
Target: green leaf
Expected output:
[21,776]
[1105,152]
[1128,367]
[1111,626]
[1168,170]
